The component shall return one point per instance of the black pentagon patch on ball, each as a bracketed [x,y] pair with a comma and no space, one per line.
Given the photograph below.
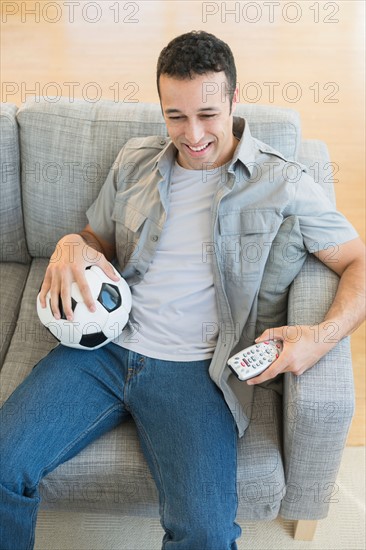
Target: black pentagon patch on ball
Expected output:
[110,297]
[92,340]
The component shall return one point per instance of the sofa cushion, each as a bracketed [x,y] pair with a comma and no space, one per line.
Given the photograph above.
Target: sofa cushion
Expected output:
[13,277]
[68,148]
[261,476]
[12,237]
[31,340]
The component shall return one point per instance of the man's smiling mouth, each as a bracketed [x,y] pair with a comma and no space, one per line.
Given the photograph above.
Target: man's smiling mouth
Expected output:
[198,149]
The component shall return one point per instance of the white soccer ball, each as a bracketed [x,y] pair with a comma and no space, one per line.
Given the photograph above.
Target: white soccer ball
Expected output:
[90,330]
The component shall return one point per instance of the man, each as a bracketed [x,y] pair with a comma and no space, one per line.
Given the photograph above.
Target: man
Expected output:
[193,189]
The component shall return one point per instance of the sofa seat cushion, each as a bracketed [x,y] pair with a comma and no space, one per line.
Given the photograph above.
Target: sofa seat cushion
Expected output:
[31,340]
[261,477]
[13,278]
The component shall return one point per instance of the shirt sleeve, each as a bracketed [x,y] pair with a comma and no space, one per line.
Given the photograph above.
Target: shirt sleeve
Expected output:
[321,224]
[99,214]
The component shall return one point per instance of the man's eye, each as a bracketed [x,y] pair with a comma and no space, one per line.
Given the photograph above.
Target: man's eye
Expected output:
[208,116]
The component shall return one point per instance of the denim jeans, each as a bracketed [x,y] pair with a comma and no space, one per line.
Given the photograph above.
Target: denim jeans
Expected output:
[191,453]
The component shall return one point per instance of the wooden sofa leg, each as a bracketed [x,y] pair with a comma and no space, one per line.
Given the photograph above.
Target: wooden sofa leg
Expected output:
[305,529]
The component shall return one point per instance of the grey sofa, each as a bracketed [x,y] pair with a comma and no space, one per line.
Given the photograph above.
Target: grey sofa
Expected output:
[290,454]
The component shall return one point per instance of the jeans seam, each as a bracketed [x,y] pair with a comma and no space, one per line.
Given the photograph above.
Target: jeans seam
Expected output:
[157,469]
[33,521]
[72,444]
[135,369]
[235,442]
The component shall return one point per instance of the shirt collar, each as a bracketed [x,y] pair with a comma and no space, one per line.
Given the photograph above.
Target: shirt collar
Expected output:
[245,151]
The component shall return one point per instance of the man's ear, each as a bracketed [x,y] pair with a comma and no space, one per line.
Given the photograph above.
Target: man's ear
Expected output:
[235,100]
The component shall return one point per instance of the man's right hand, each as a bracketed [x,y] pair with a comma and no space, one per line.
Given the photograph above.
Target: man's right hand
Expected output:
[67,264]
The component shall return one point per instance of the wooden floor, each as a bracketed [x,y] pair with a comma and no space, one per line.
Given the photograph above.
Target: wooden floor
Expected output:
[304,55]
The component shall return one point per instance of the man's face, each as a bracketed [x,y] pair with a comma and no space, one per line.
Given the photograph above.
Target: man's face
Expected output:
[198,119]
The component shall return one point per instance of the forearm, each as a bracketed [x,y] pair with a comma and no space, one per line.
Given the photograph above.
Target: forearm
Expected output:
[91,240]
[304,345]
[347,311]
[97,243]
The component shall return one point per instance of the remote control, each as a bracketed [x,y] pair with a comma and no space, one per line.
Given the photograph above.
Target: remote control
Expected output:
[252,361]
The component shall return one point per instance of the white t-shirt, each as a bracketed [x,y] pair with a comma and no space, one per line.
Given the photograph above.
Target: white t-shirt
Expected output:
[174,306]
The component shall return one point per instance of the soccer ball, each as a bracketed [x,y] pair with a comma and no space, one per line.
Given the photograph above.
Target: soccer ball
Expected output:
[90,330]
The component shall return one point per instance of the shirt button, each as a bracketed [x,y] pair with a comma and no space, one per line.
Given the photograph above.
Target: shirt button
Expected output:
[138,272]
[154,238]
[162,142]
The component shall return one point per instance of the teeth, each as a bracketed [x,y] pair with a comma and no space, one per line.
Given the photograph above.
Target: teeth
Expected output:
[196,149]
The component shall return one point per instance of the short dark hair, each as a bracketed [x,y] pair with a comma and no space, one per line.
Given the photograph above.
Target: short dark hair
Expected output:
[197,52]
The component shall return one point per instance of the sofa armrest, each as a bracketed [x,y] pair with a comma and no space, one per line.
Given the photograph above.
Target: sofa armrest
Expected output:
[318,405]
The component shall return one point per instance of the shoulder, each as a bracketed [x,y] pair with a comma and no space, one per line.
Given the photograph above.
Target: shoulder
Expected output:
[276,156]
[150,142]
[142,149]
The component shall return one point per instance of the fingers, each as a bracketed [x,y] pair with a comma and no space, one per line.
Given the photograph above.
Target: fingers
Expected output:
[44,289]
[51,285]
[299,353]
[84,288]
[80,279]
[276,333]
[276,368]
[60,296]
[65,295]
[109,270]
[279,365]
[58,282]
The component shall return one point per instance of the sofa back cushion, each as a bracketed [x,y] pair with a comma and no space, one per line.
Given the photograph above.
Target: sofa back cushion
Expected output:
[12,237]
[68,148]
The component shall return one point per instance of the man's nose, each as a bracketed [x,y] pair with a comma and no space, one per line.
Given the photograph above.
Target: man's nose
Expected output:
[194,132]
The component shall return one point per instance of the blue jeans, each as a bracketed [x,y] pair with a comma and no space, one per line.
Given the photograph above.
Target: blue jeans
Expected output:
[167,400]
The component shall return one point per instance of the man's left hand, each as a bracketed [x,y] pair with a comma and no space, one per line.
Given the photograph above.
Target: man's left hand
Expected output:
[303,346]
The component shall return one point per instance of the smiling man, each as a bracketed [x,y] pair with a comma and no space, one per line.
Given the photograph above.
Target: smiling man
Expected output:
[195,188]
[199,119]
